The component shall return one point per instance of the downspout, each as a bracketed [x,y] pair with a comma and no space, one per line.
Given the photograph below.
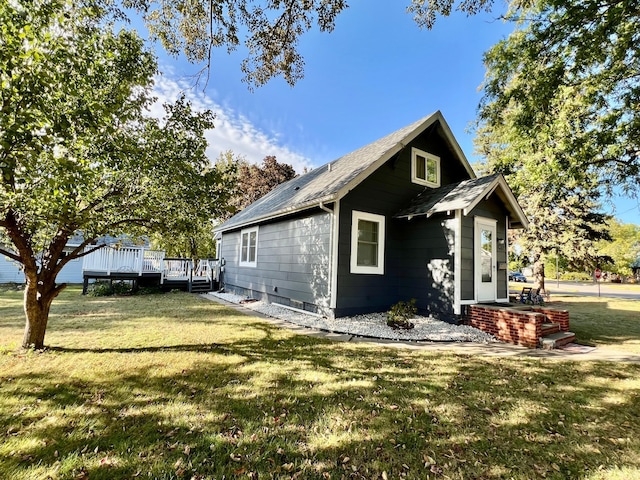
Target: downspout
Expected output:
[333,247]
[457,264]
[326,209]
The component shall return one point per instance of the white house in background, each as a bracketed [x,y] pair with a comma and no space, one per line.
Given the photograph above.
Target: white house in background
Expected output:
[10,271]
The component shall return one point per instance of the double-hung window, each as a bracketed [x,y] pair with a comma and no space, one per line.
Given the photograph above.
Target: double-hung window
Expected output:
[425,168]
[249,247]
[367,243]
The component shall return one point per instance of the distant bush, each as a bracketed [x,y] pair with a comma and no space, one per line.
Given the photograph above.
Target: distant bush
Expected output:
[148,290]
[576,276]
[11,287]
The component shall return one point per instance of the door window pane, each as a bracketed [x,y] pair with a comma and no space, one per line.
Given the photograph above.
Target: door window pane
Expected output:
[486,261]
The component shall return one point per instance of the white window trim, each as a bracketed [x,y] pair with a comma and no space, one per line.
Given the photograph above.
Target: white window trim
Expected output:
[414,153]
[247,263]
[372,217]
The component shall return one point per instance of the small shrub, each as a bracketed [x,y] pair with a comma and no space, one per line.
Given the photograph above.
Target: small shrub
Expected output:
[105,289]
[151,290]
[400,313]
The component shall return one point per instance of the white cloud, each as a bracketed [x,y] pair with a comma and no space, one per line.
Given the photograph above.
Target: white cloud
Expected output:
[232,131]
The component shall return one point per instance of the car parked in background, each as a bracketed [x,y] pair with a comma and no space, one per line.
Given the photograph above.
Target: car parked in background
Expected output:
[517,277]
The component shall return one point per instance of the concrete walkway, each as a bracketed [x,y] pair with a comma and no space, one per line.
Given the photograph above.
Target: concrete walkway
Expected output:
[458,348]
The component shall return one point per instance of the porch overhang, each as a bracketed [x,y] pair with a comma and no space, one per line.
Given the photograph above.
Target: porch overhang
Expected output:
[464,196]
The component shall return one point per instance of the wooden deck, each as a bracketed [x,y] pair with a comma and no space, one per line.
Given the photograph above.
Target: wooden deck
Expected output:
[149,267]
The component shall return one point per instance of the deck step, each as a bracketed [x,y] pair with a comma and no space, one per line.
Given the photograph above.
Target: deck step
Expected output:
[549,328]
[202,286]
[555,340]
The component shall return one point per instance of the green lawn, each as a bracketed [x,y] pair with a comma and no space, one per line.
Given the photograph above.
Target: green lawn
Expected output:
[174,386]
[604,322]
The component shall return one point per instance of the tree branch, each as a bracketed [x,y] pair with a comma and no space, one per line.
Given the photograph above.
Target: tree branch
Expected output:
[10,254]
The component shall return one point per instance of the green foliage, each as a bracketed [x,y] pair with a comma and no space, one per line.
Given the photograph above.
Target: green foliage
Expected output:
[78,154]
[400,313]
[11,286]
[559,118]
[107,289]
[576,276]
[272,31]
[623,248]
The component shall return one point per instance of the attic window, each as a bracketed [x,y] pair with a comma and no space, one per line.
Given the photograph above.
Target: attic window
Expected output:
[249,247]
[425,168]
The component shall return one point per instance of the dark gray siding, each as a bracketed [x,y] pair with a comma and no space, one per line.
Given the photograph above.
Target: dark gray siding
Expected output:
[466,260]
[418,253]
[293,262]
[423,260]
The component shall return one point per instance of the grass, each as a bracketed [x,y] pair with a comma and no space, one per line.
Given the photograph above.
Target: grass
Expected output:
[174,386]
[604,322]
[600,321]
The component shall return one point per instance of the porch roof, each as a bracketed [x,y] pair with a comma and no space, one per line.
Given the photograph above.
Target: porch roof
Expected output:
[465,196]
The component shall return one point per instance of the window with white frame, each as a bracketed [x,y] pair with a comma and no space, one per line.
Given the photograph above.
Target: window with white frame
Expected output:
[249,247]
[425,168]
[367,243]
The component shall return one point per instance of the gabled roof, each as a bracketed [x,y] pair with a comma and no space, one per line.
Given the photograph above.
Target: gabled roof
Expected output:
[465,196]
[335,179]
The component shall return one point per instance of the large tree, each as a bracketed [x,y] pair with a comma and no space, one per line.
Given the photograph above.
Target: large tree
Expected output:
[565,85]
[255,181]
[559,116]
[251,181]
[77,153]
[272,31]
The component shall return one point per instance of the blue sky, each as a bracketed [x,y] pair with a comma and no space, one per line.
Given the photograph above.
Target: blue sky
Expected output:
[375,73]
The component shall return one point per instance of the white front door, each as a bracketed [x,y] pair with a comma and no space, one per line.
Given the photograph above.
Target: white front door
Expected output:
[485,259]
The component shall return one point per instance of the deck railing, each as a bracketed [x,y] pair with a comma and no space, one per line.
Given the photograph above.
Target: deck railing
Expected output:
[176,269]
[124,260]
[140,260]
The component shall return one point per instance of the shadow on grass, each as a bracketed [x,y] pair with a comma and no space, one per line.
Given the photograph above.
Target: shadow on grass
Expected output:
[317,410]
[217,394]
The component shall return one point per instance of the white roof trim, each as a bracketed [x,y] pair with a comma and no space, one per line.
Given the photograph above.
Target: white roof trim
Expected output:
[511,199]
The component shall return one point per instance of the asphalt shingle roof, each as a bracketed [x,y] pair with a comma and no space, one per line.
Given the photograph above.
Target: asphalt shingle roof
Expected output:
[325,183]
[331,181]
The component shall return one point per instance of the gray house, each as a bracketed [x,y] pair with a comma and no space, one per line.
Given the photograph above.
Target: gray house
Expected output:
[403,217]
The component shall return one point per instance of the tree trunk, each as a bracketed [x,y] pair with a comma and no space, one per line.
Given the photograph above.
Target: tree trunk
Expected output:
[36,308]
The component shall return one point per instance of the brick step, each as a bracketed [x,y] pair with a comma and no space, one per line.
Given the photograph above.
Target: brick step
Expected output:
[549,328]
[555,340]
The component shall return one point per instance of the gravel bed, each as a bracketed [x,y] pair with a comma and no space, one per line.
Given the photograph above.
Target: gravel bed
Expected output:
[372,325]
